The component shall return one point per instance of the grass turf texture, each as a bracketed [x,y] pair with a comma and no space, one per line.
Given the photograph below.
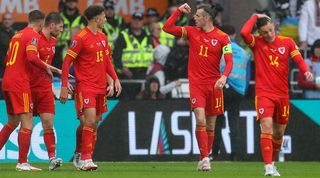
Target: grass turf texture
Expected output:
[166,170]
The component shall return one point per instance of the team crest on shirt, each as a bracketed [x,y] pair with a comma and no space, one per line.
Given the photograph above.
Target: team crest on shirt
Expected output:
[86,100]
[214,42]
[34,41]
[73,44]
[193,100]
[282,50]
[261,110]
[103,43]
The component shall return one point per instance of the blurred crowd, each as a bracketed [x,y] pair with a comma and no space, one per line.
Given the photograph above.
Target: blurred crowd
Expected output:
[150,62]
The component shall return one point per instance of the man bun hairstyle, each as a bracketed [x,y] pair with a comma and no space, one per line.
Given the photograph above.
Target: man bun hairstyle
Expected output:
[35,16]
[93,11]
[52,17]
[262,22]
[211,10]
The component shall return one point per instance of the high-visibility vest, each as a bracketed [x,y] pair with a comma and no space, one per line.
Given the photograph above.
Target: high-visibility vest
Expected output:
[64,37]
[136,54]
[166,38]
[112,32]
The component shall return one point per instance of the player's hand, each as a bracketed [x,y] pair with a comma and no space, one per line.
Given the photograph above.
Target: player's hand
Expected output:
[262,16]
[185,8]
[110,90]
[220,82]
[308,76]
[63,95]
[70,88]
[118,87]
[127,72]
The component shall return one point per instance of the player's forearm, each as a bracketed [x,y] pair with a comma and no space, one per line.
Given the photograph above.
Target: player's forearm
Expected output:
[304,83]
[111,71]
[65,70]
[302,65]
[229,64]
[32,56]
[247,29]
[170,26]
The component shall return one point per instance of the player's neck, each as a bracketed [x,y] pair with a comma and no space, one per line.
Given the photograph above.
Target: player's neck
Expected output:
[93,28]
[34,27]
[208,28]
[46,33]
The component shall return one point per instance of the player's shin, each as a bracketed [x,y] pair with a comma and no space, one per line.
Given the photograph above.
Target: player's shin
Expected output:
[202,139]
[24,138]
[5,133]
[87,137]
[266,147]
[49,140]
[276,143]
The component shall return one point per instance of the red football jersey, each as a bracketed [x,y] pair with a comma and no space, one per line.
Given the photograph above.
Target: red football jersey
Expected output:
[91,55]
[40,82]
[272,61]
[17,72]
[205,51]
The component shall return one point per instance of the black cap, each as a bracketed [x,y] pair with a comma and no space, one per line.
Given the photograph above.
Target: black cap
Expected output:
[137,15]
[152,12]
[108,4]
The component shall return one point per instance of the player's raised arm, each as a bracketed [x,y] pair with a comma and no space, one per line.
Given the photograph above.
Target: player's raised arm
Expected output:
[170,26]
[248,27]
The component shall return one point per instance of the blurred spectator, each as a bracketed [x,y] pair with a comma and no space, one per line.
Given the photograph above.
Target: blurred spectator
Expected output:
[177,63]
[312,89]
[218,17]
[6,32]
[152,16]
[114,23]
[72,23]
[133,54]
[152,90]
[233,93]
[61,5]
[309,24]
[156,69]
[155,31]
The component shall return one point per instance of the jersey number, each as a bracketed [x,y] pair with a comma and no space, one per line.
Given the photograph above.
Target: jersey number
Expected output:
[203,51]
[274,60]
[99,56]
[12,52]
[285,111]
[218,102]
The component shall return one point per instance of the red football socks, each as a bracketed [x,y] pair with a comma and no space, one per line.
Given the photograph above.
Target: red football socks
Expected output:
[5,133]
[202,138]
[24,138]
[276,148]
[210,139]
[78,139]
[50,142]
[266,147]
[87,140]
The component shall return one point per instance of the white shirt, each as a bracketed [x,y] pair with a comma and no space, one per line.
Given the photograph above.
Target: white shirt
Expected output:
[308,31]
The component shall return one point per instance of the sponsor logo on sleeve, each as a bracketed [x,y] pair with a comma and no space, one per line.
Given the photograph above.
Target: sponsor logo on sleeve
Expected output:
[73,44]
[34,41]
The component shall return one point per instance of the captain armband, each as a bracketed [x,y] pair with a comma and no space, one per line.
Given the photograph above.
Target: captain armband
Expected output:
[227,49]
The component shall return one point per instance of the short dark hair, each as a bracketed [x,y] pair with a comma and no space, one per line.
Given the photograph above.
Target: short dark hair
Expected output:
[35,16]
[210,10]
[262,22]
[228,29]
[52,17]
[93,11]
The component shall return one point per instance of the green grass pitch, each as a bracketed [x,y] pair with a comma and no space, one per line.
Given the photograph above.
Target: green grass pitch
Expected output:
[166,170]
